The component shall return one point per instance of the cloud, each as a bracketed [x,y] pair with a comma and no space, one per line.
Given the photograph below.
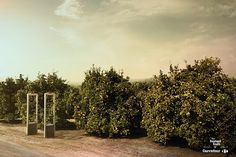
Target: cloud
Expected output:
[53,29]
[219,8]
[153,7]
[135,8]
[70,9]
[70,36]
[156,33]
[200,8]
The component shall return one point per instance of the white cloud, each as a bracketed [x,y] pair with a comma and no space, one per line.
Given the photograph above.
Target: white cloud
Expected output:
[70,36]
[53,29]
[152,7]
[200,27]
[219,8]
[143,7]
[70,9]
[200,8]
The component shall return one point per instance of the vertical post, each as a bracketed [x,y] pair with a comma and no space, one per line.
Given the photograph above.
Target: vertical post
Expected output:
[54,115]
[49,129]
[37,101]
[45,111]
[31,127]
[27,115]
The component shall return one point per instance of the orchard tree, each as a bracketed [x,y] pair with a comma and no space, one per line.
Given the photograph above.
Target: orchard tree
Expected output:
[87,92]
[233,80]
[108,105]
[196,103]
[21,82]
[208,104]
[159,109]
[8,90]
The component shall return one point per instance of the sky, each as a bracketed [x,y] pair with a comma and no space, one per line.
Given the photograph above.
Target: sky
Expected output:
[134,36]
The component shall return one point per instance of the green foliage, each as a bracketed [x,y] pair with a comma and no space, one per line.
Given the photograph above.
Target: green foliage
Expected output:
[43,84]
[72,98]
[140,90]
[21,103]
[233,80]
[196,103]
[159,110]
[91,81]
[108,105]
[8,90]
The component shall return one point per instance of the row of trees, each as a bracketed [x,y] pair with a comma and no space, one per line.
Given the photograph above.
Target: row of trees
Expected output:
[13,97]
[195,103]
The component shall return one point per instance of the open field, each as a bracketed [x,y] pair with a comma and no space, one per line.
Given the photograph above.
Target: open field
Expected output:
[75,143]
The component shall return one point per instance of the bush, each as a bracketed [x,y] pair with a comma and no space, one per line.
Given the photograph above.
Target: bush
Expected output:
[196,103]
[8,90]
[108,105]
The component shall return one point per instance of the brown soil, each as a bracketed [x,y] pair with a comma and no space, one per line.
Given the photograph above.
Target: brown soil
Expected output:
[76,143]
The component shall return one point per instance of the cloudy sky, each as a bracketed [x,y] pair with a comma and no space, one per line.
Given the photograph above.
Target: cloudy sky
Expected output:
[138,37]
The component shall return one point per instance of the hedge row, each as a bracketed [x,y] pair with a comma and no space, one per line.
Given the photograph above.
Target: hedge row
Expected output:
[196,103]
[13,98]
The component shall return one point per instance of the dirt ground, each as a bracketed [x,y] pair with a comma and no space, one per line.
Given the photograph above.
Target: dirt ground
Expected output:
[76,143]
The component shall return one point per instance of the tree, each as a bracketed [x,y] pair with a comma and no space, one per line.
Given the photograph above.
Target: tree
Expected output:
[108,105]
[21,82]
[8,90]
[88,91]
[159,111]
[208,104]
[233,80]
[196,103]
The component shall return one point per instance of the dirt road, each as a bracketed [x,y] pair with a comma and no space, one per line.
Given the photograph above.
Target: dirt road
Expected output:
[75,143]
[11,149]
